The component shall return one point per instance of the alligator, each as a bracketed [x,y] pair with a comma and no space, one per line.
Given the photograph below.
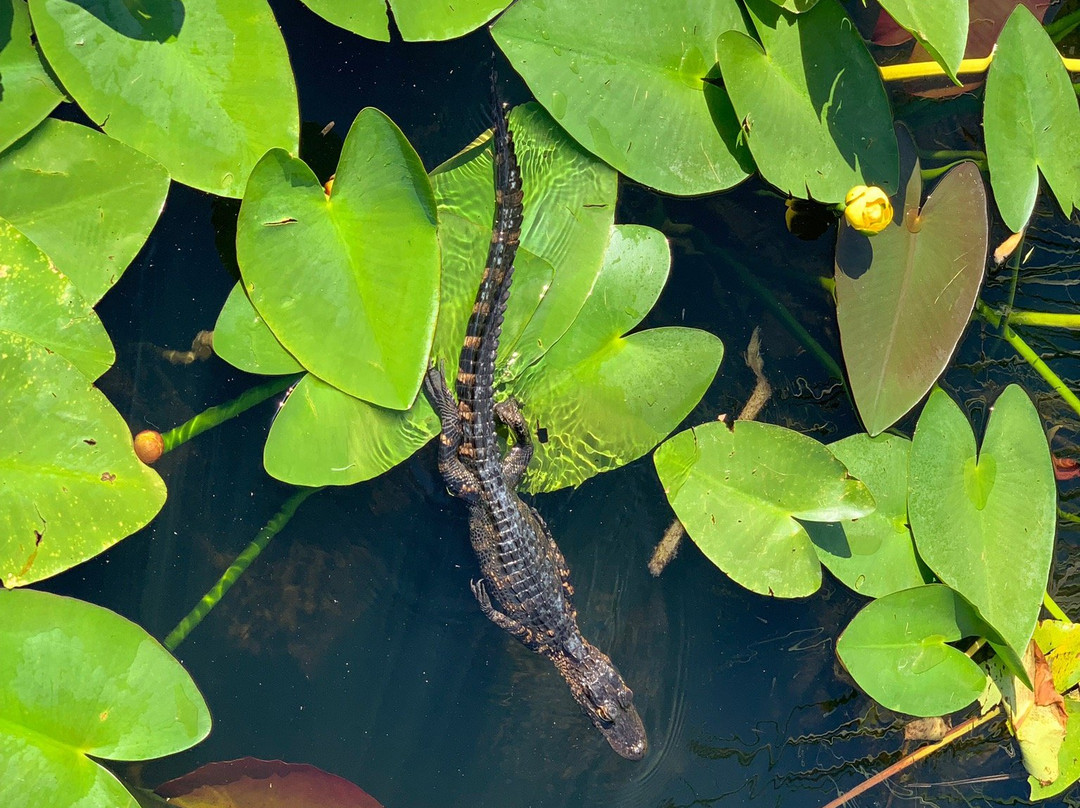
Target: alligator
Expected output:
[525,586]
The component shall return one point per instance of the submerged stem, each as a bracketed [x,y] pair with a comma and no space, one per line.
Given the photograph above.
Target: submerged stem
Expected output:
[223,412]
[237,568]
[1055,611]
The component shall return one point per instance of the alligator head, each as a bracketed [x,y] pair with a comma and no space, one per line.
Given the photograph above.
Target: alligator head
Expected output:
[603,695]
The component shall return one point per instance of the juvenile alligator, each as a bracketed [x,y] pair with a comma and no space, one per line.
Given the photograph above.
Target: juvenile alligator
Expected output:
[525,588]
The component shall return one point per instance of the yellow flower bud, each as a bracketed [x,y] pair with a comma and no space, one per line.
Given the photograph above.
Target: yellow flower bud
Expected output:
[868,209]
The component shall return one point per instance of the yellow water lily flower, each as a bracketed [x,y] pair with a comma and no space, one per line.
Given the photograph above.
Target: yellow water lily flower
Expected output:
[868,209]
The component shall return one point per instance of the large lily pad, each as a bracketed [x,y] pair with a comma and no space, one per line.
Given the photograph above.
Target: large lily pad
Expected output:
[28,93]
[70,484]
[416,19]
[873,555]
[897,649]
[38,302]
[78,682]
[1031,122]
[741,494]
[984,522]
[940,27]
[243,339]
[637,102]
[1068,758]
[604,399]
[88,201]
[204,86]
[349,282]
[905,295]
[810,99]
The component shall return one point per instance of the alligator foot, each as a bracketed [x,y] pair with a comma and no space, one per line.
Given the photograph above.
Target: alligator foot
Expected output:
[507,624]
[517,458]
[460,480]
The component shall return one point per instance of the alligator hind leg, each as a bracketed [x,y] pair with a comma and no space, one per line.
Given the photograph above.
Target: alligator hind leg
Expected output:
[517,459]
[460,481]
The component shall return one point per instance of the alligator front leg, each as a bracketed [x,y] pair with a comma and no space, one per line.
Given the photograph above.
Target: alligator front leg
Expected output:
[460,481]
[517,459]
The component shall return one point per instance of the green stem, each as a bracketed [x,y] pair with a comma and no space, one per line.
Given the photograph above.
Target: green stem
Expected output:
[954,154]
[929,174]
[1055,611]
[223,412]
[1032,358]
[1063,26]
[238,567]
[1044,318]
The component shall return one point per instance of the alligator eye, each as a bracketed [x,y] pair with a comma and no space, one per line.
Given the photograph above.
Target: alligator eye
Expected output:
[625,697]
[605,713]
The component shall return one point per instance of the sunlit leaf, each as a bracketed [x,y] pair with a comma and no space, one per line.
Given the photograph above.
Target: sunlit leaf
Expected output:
[636,102]
[349,282]
[984,522]
[88,201]
[252,783]
[203,86]
[1061,643]
[1068,757]
[810,100]
[604,399]
[243,339]
[70,484]
[897,650]
[78,682]
[415,19]
[1031,121]
[29,93]
[741,494]
[873,555]
[905,295]
[38,302]
[940,27]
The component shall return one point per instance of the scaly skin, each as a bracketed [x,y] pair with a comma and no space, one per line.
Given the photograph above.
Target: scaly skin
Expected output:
[525,588]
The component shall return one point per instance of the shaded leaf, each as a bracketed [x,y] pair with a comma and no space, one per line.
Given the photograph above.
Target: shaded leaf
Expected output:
[70,484]
[1031,121]
[203,86]
[252,783]
[875,554]
[897,649]
[984,523]
[38,302]
[29,93]
[904,296]
[741,494]
[80,682]
[604,399]
[811,82]
[362,316]
[638,103]
[88,201]
[244,340]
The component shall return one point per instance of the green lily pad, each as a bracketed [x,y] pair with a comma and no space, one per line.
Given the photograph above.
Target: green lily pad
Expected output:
[70,484]
[38,302]
[322,436]
[637,102]
[417,20]
[88,201]
[79,683]
[940,27]
[810,99]
[244,340]
[984,523]
[1031,122]
[796,6]
[29,93]
[873,555]
[604,399]
[204,86]
[905,295]
[349,282]
[897,650]
[741,494]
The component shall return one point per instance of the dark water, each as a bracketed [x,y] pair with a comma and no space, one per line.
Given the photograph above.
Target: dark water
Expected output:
[354,642]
